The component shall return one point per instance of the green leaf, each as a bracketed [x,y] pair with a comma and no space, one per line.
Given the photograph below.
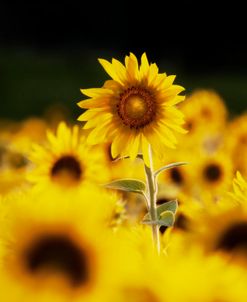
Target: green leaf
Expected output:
[171,205]
[167,218]
[128,185]
[170,166]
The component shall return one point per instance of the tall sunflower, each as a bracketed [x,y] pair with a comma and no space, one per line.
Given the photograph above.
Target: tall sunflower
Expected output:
[134,109]
[65,161]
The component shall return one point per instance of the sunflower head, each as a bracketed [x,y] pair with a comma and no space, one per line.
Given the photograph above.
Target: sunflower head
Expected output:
[135,109]
[65,161]
[48,246]
[213,172]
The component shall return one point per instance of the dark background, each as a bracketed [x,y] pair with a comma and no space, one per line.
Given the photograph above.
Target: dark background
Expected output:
[49,50]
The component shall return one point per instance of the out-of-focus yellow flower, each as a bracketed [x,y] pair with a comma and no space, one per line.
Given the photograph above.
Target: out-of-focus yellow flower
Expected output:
[53,248]
[204,108]
[212,173]
[190,276]
[66,162]
[134,109]
[178,178]
[237,143]
[221,226]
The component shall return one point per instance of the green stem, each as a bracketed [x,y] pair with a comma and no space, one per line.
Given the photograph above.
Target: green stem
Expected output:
[152,192]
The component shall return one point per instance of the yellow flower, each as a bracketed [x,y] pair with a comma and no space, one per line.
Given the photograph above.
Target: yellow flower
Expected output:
[66,161]
[239,189]
[134,109]
[53,248]
[190,276]
[204,108]
[237,142]
[212,173]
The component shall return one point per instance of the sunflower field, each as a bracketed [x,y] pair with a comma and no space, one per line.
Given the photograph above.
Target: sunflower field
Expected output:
[142,199]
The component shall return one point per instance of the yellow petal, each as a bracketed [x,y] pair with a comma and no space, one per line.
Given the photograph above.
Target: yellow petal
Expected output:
[144,68]
[168,81]
[120,70]
[98,134]
[153,72]
[96,122]
[89,114]
[96,92]
[109,69]
[132,68]
[94,103]
[175,100]
[117,145]
[133,143]
[145,150]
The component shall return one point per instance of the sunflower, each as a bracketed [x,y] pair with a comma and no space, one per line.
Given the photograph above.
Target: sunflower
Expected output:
[134,109]
[204,108]
[178,178]
[237,142]
[49,250]
[65,162]
[190,276]
[223,231]
[174,277]
[213,173]
[14,166]
[221,226]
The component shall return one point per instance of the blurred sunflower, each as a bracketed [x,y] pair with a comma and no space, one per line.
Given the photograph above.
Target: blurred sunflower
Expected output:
[49,250]
[14,166]
[66,161]
[218,281]
[237,142]
[212,173]
[134,109]
[204,108]
[178,178]
[222,226]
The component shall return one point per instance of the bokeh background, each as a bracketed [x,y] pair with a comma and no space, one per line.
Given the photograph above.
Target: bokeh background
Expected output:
[49,50]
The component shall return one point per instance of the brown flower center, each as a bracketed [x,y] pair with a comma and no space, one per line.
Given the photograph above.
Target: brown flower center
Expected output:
[212,172]
[66,169]
[235,237]
[176,176]
[136,107]
[58,254]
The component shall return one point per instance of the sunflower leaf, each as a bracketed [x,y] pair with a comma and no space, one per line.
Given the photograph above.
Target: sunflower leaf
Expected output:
[170,166]
[167,218]
[171,205]
[128,185]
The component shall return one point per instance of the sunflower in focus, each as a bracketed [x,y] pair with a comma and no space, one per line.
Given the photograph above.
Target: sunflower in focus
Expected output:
[49,250]
[133,110]
[65,162]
